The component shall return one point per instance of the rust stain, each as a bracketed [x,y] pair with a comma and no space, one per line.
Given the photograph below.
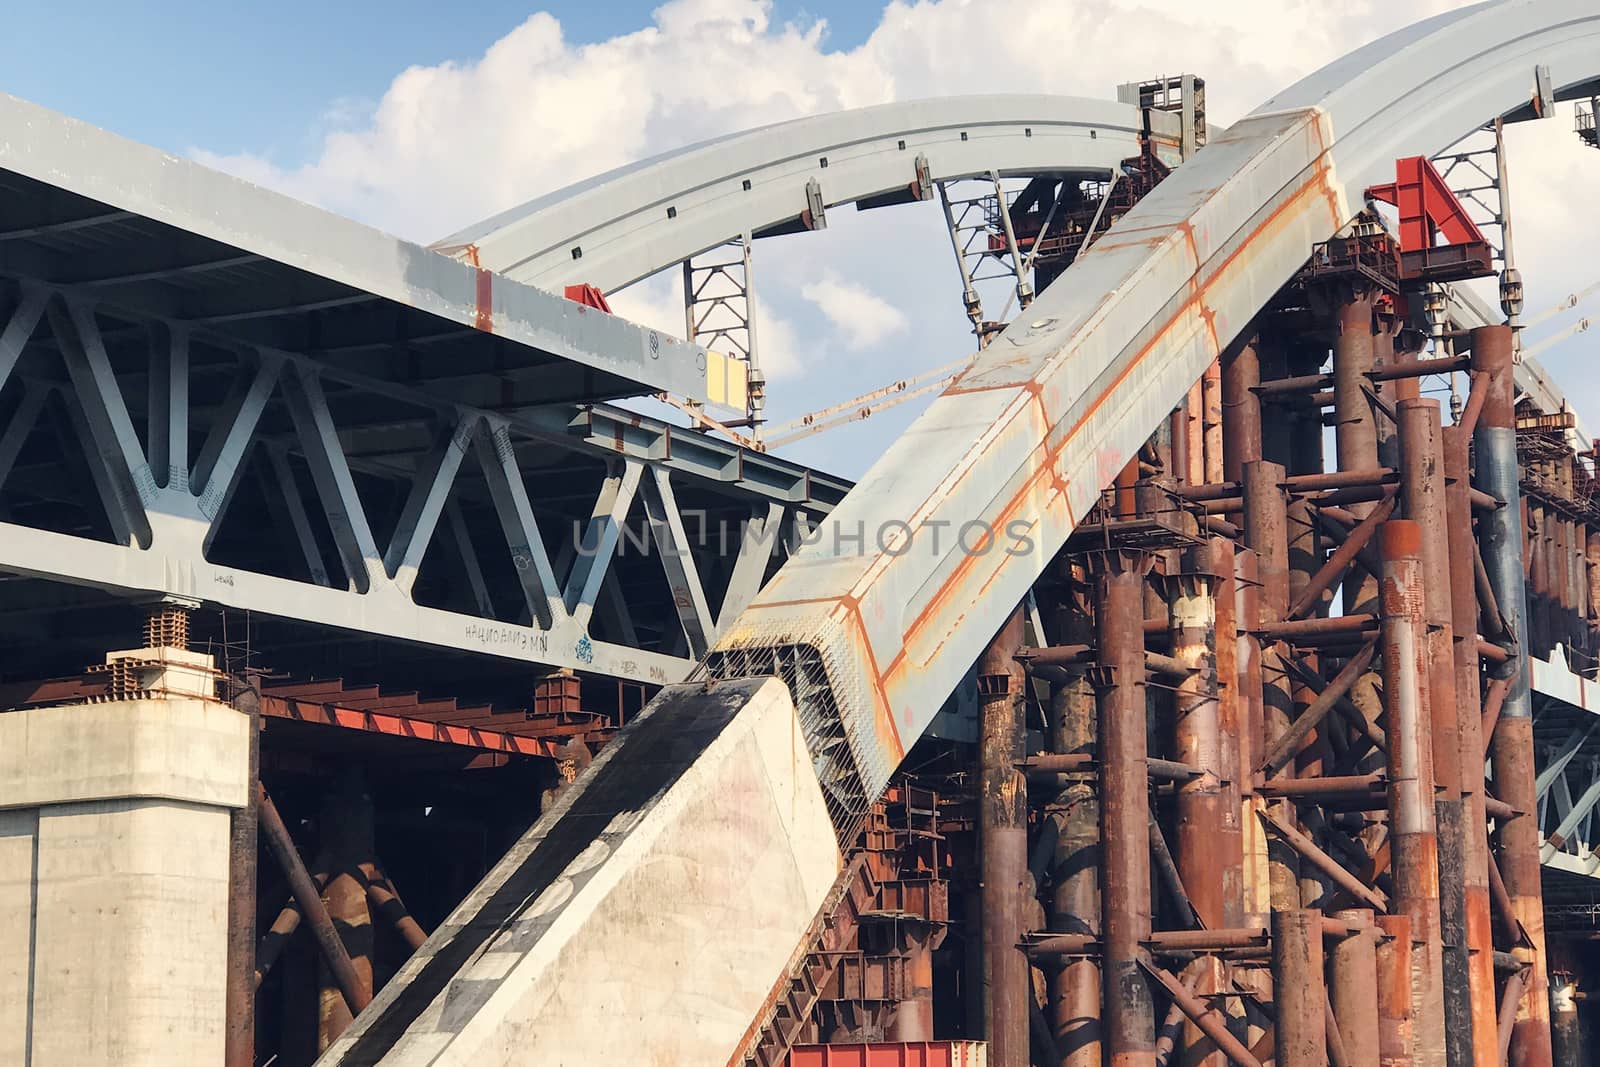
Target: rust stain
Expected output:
[483,311]
[1009,509]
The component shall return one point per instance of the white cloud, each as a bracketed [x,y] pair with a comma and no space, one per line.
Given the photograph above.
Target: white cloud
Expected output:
[452,143]
[861,317]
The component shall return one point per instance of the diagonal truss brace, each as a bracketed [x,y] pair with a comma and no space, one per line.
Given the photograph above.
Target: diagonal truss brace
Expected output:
[436,473]
[528,555]
[113,445]
[599,544]
[677,559]
[319,441]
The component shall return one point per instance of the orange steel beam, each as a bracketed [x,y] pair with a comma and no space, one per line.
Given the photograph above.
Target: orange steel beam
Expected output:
[391,725]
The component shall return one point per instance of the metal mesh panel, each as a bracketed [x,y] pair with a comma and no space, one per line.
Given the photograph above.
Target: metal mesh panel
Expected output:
[848,787]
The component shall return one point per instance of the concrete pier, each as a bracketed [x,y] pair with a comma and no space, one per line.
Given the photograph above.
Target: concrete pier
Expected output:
[114,823]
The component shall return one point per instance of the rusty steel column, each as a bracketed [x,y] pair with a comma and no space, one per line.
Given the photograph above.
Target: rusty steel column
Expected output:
[1003,844]
[1298,991]
[1566,1031]
[1256,890]
[1496,473]
[1194,405]
[911,1017]
[1355,422]
[1397,1036]
[1230,726]
[239,1035]
[1200,837]
[1388,391]
[1197,843]
[1592,576]
[1267,533]
[1413,851]
[346,830]
[1469,736]
[1423,492]
[1125,890]
[308,897]
[1536,614]
[1075,871]
[1211,420]
[1353,987]
[1241,407]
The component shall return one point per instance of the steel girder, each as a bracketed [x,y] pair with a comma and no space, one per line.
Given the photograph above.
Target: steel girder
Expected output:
[364,478]
[157,235]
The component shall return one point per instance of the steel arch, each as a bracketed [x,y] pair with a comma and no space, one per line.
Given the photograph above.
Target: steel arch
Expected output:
[619,227]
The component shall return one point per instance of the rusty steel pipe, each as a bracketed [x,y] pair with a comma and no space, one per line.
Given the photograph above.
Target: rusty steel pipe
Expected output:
[1211,422]
[386,903]
[1422,488]
[1313,854]
[1057,763]
[1353,988]
[1129,1032]
[1298,990]
[1057,655]
[1353,785]
[1414,862]
[1003,845]
[309,898]
[1197,739]
[1206,940]
[1210,1022]
[1397,1037]
[1419,368]
[1341,558]
[1308,630]
[1497,473]
[1240,407]
[1229,857]
[345,830]
[1064,945]
[239,1032]
[1284,749]
[1254,889]
[1510,1010]
[1356,430]
[276,938]
[1166,871]
[1299,383]
[1494,700]
[1463,551]
[1474,407]
[1337,1056]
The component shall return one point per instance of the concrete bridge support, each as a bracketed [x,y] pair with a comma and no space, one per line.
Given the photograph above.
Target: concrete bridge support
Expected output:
[114,864]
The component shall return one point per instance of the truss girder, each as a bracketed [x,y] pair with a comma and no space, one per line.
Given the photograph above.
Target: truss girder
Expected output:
[318,438]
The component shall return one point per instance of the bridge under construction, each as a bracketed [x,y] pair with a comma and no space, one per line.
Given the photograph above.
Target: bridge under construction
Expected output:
[1209,675]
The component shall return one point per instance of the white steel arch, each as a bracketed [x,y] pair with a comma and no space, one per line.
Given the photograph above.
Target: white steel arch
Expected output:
[619,227]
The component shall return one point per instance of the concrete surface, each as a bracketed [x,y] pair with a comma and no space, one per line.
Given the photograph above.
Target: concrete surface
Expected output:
[644,919]
[114,825]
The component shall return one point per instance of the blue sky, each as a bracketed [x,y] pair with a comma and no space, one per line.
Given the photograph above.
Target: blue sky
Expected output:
[262,77]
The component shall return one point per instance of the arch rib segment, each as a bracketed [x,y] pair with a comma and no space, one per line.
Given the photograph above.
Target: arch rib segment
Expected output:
[615,229]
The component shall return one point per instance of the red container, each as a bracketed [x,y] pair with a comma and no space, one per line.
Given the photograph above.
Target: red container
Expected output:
[890,1054]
